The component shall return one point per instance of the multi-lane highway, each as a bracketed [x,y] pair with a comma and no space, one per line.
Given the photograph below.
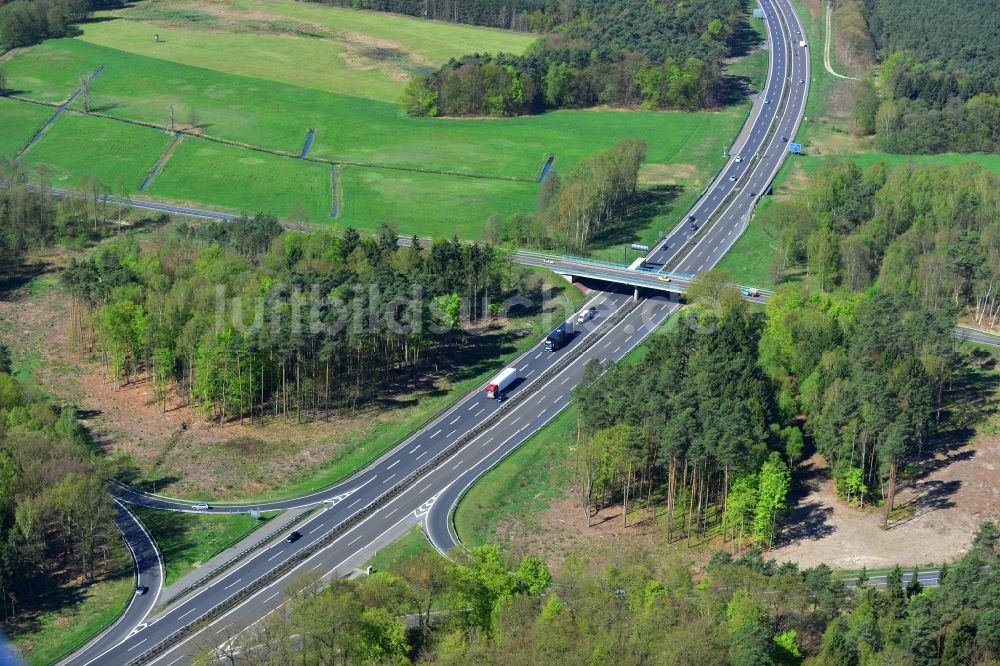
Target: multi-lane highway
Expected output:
[402,487]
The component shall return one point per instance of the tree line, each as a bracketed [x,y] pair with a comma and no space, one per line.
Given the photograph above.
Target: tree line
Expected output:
[927,232]
[24,22]
[523,15]
[694,424]
[613,52]
[55,513]
[32,219]
[573,211]
[868,375]
[939,76]
[243,321]
[486,607]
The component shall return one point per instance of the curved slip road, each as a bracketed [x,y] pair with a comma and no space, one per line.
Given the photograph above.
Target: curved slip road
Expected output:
[373,507]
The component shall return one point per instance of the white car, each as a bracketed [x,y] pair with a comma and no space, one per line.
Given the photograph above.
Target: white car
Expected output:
[586,315]
[201,506]
[739,158]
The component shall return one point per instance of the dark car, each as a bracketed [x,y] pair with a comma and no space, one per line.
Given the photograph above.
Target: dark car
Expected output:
[292,536]
[691,218]
[752,194]
[693,227]
[784,139]
[141,590]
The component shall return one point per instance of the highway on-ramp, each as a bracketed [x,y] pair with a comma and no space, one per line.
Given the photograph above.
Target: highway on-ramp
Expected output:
[402,487]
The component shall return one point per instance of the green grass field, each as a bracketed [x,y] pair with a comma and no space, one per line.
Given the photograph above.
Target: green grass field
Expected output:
[428,204]
[69,625]
[276,107]
[365,54]
[401,551]
[120,155]
[200,171]
[521,484]
[188,539]
[19,122]
[277,116]
[753,68]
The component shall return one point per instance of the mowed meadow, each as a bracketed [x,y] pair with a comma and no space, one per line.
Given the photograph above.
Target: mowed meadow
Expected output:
[259,76]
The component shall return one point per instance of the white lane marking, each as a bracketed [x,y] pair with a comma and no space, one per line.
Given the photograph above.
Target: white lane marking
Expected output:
[617,349]
[452,432]
[392,512]
[425,488]
[186,614]
[392,465]
[435,434]
[352,541]
[389,479]
[421,455]
[138,644]
[528,373]
[317,527]
[233,583]
[274,556]
[353,503]
[538,356]
[176,660]
[564,381]
[458,464]
[455,421]
[471,407]
[413,449]
[478,413]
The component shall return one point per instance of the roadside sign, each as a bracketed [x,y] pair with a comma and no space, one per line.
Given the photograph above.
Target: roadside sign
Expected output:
[795,147]
[640,248]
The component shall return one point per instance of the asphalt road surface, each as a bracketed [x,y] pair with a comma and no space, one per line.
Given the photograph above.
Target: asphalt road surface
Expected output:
[373,506]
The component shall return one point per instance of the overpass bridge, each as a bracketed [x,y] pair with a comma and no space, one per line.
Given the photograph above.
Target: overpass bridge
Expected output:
[636,276]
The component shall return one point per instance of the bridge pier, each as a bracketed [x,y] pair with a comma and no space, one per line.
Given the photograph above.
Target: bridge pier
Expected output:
[635,295]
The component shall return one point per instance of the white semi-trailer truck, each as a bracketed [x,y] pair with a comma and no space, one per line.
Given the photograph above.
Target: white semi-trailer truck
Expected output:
[499,384]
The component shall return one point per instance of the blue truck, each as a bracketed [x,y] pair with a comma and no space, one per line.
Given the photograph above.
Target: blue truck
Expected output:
[559,337]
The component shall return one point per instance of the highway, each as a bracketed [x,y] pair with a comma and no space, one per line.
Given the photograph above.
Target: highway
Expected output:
[420,479]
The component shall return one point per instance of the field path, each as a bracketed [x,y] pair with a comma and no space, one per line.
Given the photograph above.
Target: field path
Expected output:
[826,47]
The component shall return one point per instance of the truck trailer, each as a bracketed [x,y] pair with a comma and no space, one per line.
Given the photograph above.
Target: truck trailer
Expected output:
[559,337]
[499,384]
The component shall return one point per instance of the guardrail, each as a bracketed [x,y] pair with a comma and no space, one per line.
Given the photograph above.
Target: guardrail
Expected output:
[772,130]
[390,494]
[228,564]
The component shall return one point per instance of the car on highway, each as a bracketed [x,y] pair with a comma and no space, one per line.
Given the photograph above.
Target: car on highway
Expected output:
[141,590]
[751,292]
[691,218]
[200,506]
[663,278]
[693,227]
[550,261]
[752,194]
[739,158]
[784,139]
[733,178]
[292,537]
[586,315]
[767,100]
[801,81]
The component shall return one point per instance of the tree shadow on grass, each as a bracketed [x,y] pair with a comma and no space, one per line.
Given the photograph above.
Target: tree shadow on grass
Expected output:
[14,279]
[648,204]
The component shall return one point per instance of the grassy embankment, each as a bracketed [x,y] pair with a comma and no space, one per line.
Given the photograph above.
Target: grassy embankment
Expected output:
[187,540]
